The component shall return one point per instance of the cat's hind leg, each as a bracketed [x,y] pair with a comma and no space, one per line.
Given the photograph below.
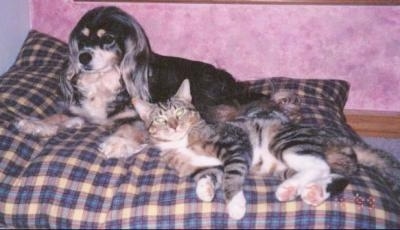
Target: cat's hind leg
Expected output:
[286,192]
[308,167]
[314,193]
[318,191]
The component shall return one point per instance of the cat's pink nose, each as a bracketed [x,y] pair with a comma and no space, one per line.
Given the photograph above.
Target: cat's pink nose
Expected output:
[173,123]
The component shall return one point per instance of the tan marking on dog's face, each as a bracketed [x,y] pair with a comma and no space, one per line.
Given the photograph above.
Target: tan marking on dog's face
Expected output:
[100,33]
[86,31]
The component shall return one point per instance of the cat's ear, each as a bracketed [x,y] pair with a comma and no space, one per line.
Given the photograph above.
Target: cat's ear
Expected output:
[184,91]
[289,103]
[143,108]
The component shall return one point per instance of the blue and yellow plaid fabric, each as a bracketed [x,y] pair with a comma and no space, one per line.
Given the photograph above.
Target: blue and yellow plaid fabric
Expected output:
[63,182]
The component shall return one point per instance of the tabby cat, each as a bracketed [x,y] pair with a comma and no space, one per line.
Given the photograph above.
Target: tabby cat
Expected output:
[261,140]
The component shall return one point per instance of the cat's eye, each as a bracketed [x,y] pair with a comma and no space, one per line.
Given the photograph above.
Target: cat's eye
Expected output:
[160,120]
[180,112]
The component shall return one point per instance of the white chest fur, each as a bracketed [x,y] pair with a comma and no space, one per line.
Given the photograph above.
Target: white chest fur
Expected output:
[261,153]
[98,90]
[196,159]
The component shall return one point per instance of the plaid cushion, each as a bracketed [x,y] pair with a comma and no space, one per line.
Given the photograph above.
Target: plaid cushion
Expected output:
[30,86]
[333,91]
[322,100]
[62,181]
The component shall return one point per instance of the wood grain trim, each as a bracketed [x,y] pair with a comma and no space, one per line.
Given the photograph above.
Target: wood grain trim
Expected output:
[293,2]
[374,123]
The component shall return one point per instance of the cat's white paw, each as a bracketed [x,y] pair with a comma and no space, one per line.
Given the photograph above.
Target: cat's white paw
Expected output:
[286,192]
[314,194]
[237,206]
[205,189]
[36,127]
[119,147]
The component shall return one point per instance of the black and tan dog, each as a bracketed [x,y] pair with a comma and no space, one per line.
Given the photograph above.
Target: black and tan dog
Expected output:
[111,61]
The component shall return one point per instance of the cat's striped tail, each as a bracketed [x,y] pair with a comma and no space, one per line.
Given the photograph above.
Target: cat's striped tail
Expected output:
[383,162]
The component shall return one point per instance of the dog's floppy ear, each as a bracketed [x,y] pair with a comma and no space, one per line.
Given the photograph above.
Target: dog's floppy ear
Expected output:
[135,63]
[72,69]
[143,108]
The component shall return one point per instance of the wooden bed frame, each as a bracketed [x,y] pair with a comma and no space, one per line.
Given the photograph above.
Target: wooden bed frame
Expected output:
[366,123]
[374,123]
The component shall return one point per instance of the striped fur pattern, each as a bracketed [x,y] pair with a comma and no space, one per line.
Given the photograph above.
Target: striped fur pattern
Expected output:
[262,139]
[193,147]
[321,161]
[339,150]
[343,155]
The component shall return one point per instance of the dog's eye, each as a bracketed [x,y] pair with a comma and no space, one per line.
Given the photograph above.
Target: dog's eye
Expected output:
[107,39]
[82,41]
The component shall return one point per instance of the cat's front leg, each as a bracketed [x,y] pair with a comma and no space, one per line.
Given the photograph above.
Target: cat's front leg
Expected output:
[237,206]
[208,180]
[126,141]
[178,162]
[235,151]
[205,189]
[233,191]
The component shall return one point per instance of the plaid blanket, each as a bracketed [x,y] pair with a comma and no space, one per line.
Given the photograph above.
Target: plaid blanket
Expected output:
[63,182]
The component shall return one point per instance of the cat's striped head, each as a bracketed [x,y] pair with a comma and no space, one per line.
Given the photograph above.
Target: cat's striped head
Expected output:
[170,120]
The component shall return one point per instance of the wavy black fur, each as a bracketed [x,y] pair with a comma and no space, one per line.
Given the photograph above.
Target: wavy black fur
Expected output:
[146,74]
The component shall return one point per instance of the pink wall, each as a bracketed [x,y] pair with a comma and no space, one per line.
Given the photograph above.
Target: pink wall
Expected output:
[360,44]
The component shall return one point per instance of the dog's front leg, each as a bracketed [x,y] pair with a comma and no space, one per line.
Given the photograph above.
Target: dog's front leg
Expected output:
[127,140]
[48,126]
[45,127]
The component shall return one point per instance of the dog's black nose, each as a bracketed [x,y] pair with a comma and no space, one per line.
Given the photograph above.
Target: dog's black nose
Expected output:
[85,58]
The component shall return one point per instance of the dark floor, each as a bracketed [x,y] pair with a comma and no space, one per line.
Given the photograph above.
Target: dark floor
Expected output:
[391,145]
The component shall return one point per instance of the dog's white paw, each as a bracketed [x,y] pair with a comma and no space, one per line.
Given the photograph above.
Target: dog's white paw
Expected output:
[119,147]
[205,189]
[74,122]
[36,127]
[237,206]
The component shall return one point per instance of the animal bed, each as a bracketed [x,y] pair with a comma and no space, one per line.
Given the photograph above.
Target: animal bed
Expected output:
[64,182]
